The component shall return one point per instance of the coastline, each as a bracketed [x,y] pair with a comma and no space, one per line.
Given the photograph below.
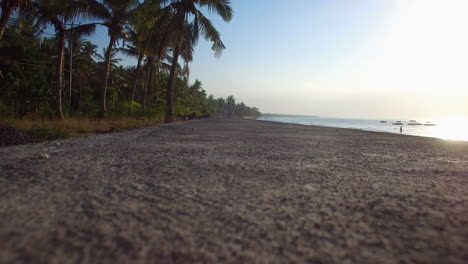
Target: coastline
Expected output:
[360,129]
[446,131]
[236,191]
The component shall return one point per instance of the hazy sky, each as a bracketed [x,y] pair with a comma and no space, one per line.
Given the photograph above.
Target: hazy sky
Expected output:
[343,58]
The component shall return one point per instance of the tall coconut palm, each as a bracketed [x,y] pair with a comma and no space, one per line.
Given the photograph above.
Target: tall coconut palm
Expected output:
[115,15]
[8,7]
[143,22]
[84,62]
[190,22]
[133,51]
[58,13]
[153,24]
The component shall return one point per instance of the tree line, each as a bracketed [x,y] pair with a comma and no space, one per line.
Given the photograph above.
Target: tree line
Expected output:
[64,74]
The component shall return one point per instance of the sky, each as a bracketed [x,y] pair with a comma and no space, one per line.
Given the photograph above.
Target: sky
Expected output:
[402,59]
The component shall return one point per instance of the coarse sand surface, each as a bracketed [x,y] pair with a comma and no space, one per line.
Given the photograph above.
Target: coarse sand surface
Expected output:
[235,191]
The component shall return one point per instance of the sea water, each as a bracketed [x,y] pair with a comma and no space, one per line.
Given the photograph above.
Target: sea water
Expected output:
[438,130]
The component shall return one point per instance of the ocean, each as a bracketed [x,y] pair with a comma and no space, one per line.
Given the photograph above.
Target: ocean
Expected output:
[443,130]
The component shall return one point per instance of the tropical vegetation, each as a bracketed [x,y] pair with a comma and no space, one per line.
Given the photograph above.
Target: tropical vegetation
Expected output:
[51,66]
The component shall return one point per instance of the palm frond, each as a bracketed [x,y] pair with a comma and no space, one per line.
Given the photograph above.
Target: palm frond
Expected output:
[95,9]
[166,66]
[211,34]
[130,51]
[221,7]
[83,30]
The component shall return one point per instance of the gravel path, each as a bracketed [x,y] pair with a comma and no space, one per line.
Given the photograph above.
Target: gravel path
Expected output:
[235,191]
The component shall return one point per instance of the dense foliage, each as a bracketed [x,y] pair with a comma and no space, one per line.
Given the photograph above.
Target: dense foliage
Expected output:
[45,75]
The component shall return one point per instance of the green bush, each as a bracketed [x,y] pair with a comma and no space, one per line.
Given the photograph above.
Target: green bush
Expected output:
[39,134]
[131,108]
[6,112]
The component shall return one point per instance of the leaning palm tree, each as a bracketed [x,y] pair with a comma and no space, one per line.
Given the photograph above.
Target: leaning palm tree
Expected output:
[58,13]
[115,14]
[8,7]
[189,22]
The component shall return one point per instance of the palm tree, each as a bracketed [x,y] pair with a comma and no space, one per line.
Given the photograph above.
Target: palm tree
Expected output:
[84,62]
[8,7]
[152,23]
[116,15]
[58,13]
[187,33]
[144,37]
[25,66]
[134,51]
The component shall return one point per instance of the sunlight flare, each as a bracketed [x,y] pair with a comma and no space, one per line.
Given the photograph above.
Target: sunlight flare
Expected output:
[424,50]
[452,128]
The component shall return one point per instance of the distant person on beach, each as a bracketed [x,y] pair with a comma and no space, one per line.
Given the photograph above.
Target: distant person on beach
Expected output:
[401,129]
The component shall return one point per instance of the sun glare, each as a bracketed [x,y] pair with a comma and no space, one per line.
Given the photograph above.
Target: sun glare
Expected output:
[453,128]
[424,49]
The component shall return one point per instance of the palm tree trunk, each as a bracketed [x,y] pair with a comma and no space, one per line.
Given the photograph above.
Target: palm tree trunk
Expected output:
[150,85]
[149,89]
[149,72]
[137,72]
[106,77]
[170,84]
[59,73]
[80,83]
[157,75]
[7,11]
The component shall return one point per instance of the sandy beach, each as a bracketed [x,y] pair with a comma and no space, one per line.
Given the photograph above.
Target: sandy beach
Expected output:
[235,191]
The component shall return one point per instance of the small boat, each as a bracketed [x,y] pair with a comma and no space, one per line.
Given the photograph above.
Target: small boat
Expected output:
[429,124]
[398,123]
[383,122]
[414,123]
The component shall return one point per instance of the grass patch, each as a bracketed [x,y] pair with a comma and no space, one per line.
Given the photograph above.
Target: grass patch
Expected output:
[44,130]
[39,134]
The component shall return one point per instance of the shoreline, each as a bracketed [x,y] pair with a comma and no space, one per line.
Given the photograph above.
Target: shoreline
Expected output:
[362,130]
[235,191]
[369,130]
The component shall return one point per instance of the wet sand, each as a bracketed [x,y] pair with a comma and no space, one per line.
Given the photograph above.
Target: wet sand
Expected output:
[235,191]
